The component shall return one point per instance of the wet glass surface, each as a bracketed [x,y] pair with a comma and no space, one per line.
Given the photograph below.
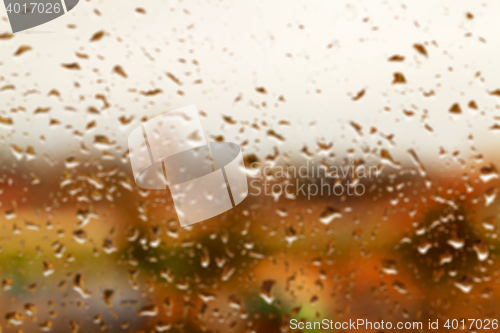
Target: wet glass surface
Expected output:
[370,135]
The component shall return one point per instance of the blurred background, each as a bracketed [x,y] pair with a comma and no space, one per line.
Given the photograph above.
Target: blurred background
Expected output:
[412,88]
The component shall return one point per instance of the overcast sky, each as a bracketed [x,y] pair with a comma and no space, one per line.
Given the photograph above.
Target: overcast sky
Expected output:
[317,55]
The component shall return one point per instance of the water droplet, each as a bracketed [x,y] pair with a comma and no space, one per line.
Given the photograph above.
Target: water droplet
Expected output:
[79,286]
[148,311]
[389,266]
[329,214]
[266,292]
[464,284]
[14,318]
[482,250]
[400,287]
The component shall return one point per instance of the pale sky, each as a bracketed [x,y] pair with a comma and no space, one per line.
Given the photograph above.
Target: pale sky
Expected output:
[316,54]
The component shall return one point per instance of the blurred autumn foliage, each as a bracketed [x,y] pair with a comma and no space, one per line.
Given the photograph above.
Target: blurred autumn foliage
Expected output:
[85,249]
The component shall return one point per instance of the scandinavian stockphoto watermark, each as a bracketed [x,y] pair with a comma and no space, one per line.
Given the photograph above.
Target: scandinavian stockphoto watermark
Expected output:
[26,14]
[205,179]
[310,180]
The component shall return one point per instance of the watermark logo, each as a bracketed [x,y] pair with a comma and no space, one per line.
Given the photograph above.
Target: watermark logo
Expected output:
[310,180]
[205,179]
[26,14]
